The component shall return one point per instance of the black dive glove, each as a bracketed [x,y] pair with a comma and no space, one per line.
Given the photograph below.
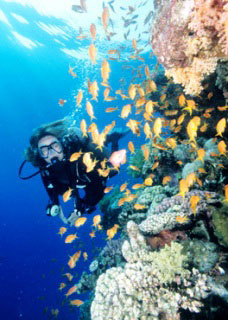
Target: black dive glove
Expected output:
[83,208]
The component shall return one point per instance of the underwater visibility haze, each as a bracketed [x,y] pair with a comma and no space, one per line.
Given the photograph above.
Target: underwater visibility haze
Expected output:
[155,247]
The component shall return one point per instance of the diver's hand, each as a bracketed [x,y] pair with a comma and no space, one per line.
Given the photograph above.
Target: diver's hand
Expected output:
[73,217]
[61,215]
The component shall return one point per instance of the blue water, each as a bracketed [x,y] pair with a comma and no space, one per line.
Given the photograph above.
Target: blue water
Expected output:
[33,256]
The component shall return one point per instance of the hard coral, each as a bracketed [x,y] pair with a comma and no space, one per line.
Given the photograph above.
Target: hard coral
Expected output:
[199,29]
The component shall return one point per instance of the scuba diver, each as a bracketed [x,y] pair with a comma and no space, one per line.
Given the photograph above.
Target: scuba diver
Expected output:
[51,147]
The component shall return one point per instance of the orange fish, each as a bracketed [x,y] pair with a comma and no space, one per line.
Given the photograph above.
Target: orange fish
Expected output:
[190,179]
[83,128]
[70,238]
[163,97]
[155,165]
[183,187]
[62,285]
[71,291]
[220,127]
[67,195]
[166,179]
[171,142]
[123,187]
[181,219]
[181,100]
[92,53]
[222,147]
[147,71]
[72,262]
[105,18]
[201,154]
[62,230]
[202,170]
[89,109]
[126,110]
[147,130]
[131,147]
[111,109]
[108,189]
[134,168]
[181,119]
[210,95]
[152,85]
[226,193]
[77,255]
[222,108]
[76,302]
[137,186]
[80,221]
[146,153]
[139,206]
[118,157]
[85,256]
[157,127]
[62,102]
[75,156]
[105,71]
[68,275]
[194,201]
[92,234]
[148,181]
[96,220]
[79,97]
[93,31]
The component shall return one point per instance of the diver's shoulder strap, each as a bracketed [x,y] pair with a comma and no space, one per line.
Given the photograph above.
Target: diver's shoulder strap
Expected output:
[28,177]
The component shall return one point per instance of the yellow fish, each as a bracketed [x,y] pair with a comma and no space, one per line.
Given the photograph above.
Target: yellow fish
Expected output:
[148,181]
[85,256]
[171,143]
[93,31]
[190,179]
[92,53]
[181,100]
[83,128]
[131,147]
[132,91]
[149,107]
[108,189]
[96,220]
[71,291]
[80,221]
[105,18]
[68,275]
[139,206]
[126,110]
[201,154]
[183,187]
[67,195]
[105,70]
[93,89]
[166,179]
[152,85]
[220,127]
[76,302]
[146,153]
[147,130]
[226,193]
[75,156]
[222,147]
[192,130]
[181,219]
[157,127]
[89,109]
[137,186]
[62,285]
[123,187]
[191,105]
[79,97]
[70,238]
[62,230]
[92,234]
[194,201]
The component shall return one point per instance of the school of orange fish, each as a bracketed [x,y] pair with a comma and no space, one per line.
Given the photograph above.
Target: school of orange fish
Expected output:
[140,104]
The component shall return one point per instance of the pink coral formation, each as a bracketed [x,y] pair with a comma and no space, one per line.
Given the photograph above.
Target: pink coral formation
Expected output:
[189,37]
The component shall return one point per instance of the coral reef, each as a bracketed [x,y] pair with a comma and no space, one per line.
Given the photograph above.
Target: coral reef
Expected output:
[220,223]
[150,286]
[164,216]
[199,30]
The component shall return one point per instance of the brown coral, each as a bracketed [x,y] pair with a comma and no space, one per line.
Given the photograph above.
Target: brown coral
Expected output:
[164,237]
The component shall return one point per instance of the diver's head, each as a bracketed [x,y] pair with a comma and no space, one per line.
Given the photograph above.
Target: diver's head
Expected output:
[50,149]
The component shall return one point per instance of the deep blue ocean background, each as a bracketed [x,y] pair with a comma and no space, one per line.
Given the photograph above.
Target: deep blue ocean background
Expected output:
[33,256]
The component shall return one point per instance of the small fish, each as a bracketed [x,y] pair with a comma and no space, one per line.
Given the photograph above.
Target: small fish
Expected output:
[222,147]
[80,221]
[67,195]
[171,143]
[222,108]
[148,181]
[85,256]
[62,230]
[194,201]
[131,147]
[93,31]
[83,127]
[105,18]
[96,220]
[226,193]
[210,95]
[134,168]
[181,219]
[137,186]
[181,100]
[183,187]
[152,85]
[123,187]
[62,102]
[157,127]
[146,153]
[92,234]
[155,165]
[126,110]
[79,97]
[201,154]
[181,119]
[108,189]
[62,286]
[111,109]
[147,130]
[89,109]
[70,238]
[139,206]
[75,156]
[202,170]
[68,275]
[76,302]
[92,53]
[71,291]
[166,179]
[220,127]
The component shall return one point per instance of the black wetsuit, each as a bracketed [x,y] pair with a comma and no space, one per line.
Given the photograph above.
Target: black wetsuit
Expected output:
[62,175]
